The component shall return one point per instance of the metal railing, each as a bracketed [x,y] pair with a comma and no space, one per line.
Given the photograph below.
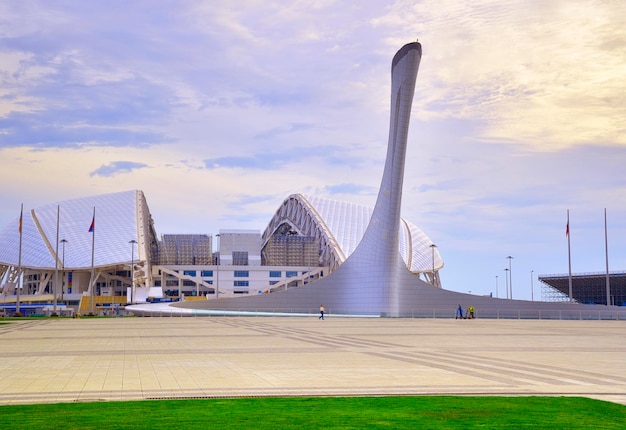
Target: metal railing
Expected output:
[508,314]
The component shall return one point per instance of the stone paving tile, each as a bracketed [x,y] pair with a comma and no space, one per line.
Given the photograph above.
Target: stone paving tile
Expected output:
[67,360]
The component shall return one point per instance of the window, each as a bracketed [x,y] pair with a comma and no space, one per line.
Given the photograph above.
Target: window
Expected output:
[189,272]
[273,282]
[206,273]
[240,258]
[241,284]
[291,274]
[275,273]
[242,274]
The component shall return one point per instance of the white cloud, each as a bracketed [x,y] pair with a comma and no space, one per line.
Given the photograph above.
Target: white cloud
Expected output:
[546,74]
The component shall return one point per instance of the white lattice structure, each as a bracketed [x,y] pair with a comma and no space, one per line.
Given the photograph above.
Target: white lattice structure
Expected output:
[340,226]
[119,219]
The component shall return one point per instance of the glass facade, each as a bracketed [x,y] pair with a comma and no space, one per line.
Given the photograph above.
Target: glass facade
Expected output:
[240,258]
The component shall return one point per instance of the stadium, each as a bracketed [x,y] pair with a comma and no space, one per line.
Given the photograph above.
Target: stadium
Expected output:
[590,288]
[97,254]
[308,238]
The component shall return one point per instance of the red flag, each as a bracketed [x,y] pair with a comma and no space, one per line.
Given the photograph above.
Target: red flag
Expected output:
[93,224]
[567,230]
[19,227]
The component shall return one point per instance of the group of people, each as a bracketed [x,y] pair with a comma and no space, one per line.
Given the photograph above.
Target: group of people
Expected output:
[469,315]
[459,313]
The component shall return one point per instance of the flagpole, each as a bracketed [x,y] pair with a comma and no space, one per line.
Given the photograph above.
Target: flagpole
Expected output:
[19,264]
[569,258]
[56,266]
[93,244]
[606,252]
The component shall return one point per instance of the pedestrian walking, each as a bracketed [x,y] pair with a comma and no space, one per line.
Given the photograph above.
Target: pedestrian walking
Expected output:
[321,312]
[459,313]
[470,312]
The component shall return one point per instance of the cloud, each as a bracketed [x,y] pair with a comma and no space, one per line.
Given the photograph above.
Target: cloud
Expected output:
[545,74]
[47,130]
[56,102]
[117,167]
[290,156]
[351,189]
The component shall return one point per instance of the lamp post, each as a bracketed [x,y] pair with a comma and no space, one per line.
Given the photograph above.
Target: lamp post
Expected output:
[496,286]
[432,247]
[506,278]
[532,294]
[510,276]
[132,270]
[308,273]
[63,242]
[217,277]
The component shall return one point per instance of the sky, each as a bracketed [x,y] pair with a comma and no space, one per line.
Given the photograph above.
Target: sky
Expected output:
[219,110]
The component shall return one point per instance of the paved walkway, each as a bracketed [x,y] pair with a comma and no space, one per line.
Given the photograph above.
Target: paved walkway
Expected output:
[65,360]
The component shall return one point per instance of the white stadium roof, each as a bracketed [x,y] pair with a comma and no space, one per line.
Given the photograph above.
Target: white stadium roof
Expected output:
[124,216]
[340,226]
[116,223]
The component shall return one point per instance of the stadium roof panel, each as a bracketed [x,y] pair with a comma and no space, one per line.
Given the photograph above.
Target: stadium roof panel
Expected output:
[343,224]
[115,225]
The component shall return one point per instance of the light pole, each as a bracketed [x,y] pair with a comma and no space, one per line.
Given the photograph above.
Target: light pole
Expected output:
[510,276]
[506,277]
[308,273]
[63,242]
[217,277]
[532,298]
[497,286]
[132,242]
[432,247]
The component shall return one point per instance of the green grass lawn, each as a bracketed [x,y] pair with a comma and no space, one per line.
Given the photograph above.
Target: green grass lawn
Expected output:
[433,412]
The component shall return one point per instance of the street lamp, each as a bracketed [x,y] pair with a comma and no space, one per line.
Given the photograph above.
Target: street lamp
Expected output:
[506,277]
[497,286]
[432,247]
[511,276]
[217,277]
[63,242]
[308,252]
[132,270]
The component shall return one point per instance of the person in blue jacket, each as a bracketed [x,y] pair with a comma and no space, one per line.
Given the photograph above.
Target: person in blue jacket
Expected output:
[459,313]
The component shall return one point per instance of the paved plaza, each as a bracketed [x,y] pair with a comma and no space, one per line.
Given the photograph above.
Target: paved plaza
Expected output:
[101,359]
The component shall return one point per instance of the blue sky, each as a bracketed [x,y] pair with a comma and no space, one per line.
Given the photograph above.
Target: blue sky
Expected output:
[219,110]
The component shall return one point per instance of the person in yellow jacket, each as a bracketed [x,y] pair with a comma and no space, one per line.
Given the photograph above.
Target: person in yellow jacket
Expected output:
[470,312]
